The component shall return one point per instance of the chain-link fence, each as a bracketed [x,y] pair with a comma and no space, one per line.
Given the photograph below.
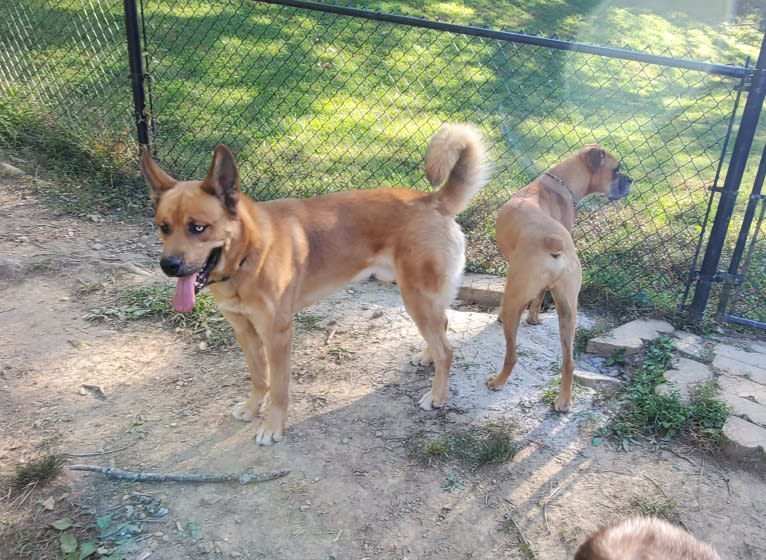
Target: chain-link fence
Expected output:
[67,62]
[313,102]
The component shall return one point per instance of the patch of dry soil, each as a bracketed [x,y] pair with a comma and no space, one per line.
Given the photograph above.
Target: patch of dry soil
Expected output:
[354,491]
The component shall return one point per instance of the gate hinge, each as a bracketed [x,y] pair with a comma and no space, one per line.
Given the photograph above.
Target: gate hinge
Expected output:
[728,278]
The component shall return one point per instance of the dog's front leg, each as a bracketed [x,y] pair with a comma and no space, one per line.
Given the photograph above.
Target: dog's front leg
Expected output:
[257,364]
[278,347]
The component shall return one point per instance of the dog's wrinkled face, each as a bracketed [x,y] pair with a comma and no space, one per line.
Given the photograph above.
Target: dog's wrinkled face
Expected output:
[195,220]
[606,177]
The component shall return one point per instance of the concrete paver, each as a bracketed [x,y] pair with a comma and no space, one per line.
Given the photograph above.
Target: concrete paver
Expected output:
[629,337]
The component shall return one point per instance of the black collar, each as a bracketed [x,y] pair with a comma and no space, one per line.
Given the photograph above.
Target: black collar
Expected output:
[225,278]
[562,184]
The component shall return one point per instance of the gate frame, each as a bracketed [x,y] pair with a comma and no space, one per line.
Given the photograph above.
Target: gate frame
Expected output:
[709,273]
[733,278]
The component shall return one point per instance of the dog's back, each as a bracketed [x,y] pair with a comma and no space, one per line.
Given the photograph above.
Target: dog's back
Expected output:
[644,538]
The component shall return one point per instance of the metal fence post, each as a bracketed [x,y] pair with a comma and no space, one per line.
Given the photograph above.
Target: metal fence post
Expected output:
[136,70]
[739,156]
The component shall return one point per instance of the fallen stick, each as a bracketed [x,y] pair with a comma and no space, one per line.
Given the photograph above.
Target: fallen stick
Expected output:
[119,474]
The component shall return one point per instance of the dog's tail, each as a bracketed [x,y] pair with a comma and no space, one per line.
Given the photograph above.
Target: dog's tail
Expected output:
[456,155]
[553,244]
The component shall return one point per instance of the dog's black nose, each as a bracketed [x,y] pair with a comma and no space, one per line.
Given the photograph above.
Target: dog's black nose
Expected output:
[171,265]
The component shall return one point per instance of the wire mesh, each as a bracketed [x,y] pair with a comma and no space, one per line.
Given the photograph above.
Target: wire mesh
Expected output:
[314,102]
[68,59]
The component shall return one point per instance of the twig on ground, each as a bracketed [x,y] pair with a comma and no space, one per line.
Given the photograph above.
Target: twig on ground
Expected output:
[527,546]
[545,507]
[330,336]
[114,473]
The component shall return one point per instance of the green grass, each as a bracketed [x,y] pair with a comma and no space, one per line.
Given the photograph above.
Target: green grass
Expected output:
[643,414]
[36,472]
[81,175]
[312,103]
[475,446]
[203,323]
[647,506]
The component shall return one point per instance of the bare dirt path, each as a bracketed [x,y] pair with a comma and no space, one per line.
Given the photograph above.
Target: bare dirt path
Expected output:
[150,399]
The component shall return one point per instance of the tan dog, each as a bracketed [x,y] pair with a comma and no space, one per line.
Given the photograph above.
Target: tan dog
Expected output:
[264,261]
[644,538]
[532,231]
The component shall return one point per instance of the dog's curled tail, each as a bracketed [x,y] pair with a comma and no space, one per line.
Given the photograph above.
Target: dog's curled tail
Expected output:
[456,154]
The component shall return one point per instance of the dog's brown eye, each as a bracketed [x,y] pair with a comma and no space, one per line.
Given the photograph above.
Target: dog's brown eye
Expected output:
[196,228]
[165,228]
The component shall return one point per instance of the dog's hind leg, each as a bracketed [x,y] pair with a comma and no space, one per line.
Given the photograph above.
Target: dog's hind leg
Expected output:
[422,358]
[257,364]
[565,293]
[514,303]
[429,314]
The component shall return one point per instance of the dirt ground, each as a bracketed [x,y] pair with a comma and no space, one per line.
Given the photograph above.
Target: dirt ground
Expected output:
[152,400]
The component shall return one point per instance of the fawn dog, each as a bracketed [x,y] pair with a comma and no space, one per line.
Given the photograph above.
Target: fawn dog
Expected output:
[532,231]
[264,261]
[644,538]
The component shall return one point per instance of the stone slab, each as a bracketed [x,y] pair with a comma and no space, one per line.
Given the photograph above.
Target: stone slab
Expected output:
[690,344]
[596,381]
[745,439]
[740,362]
[745,408]
[482,289]
[685,377]
[8,170]
[743,387]
[629,337]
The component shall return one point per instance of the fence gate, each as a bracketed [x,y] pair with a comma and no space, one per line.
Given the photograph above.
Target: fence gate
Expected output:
[745,279]
[742,283]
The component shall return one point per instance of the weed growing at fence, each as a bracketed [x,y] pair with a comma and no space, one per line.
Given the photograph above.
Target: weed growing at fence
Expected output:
[643,413]
[83,176]
[203,323]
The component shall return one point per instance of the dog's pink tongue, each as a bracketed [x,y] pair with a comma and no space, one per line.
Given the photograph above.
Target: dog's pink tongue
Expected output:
[183,300]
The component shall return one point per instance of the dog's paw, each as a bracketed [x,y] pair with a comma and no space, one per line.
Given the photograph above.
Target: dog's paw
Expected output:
[562,405]
[422,358]
[246,411]
[429,402]
[267,436]
[494,384]
[533,319]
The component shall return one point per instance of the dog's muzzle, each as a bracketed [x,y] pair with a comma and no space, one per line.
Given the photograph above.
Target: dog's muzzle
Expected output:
[176,267]
[621,187]
[172,265]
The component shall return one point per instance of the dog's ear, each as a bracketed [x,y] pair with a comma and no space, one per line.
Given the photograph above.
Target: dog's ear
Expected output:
[594,156]
[222,179]
[155,177]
